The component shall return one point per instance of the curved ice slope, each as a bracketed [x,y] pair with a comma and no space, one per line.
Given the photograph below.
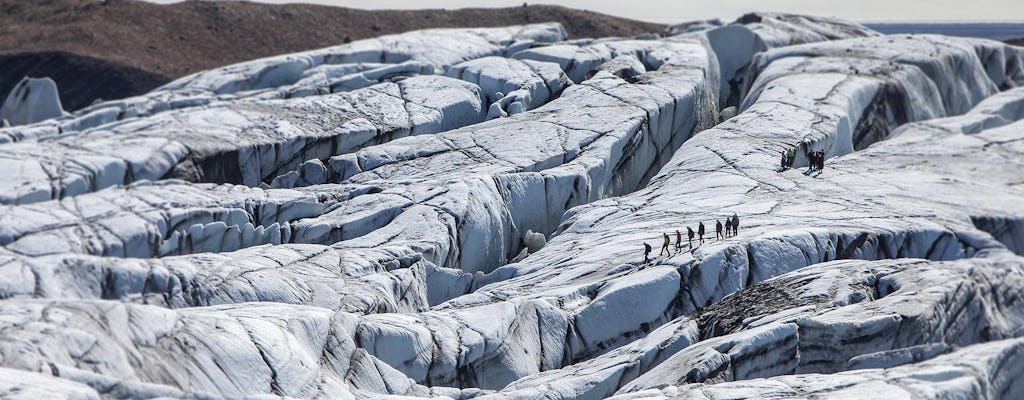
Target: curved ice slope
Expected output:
[441,48]
[156,219]
[235,142]
[323,71]
[136,351]
[313,275]
[18,384]
[581,59]
[983,371]
[778,30]
[512,86]
[850,315]
[507,87]
[824,318]
[737,43]
[981,67]
[488,191]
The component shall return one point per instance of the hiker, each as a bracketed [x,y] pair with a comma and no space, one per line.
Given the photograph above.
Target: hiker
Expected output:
[718,229]
[664,245]
[785,162]
[700,232]
[679,240]
[728,227]
[790,156]
[821,160]
[735,224]
[689,233]
[647,252]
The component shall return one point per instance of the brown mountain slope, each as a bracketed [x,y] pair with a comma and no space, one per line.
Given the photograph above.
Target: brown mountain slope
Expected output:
[178,39]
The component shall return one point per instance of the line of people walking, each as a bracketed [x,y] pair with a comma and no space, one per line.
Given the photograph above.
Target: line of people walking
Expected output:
[731,228]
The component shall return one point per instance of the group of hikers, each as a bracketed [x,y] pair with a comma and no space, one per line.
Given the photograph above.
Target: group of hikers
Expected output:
[731,226]
[816,158]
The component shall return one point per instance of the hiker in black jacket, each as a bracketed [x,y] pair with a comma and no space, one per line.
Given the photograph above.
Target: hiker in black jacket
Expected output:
[700,232]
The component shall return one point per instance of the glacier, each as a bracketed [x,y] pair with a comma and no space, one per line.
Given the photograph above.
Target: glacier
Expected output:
[461,213]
